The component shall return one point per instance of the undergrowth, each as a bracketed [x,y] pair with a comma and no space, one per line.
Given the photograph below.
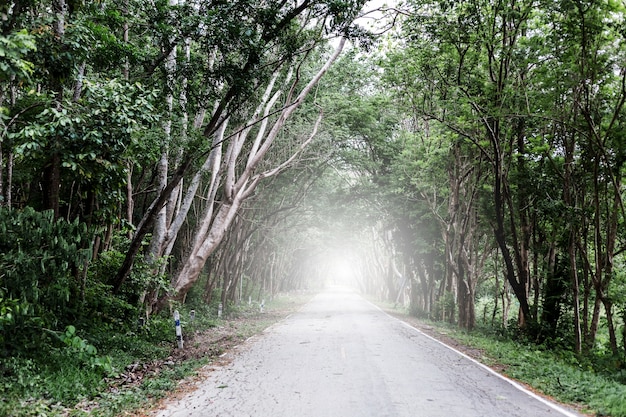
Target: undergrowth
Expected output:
[69,343]
[557,373]
[79,371]
[76,369]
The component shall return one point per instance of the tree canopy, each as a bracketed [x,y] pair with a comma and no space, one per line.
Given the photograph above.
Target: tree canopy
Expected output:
[465,162]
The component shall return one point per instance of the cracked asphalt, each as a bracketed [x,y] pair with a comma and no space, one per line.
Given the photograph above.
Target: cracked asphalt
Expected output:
[341,356]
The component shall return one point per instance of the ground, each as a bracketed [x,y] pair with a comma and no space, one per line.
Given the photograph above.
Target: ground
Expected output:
[473,353]
[212,344]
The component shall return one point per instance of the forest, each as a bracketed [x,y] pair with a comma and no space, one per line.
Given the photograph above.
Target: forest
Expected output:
[462,159]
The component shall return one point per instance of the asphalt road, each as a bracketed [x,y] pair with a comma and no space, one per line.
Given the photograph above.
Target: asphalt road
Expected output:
[340,356]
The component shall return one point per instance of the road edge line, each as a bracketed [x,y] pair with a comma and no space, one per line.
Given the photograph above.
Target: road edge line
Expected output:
[515,384]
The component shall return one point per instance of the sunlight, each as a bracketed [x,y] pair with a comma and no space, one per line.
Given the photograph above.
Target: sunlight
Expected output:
[341,269]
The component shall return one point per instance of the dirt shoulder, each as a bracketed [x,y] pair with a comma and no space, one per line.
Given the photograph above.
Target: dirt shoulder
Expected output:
[210,345]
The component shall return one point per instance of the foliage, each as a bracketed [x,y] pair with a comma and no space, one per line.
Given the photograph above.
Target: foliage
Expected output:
[94,136]
[102,306]
[85,353]
[14,48]
[68,379]
[41,261]
[77,364]
[501,109]
[44,287]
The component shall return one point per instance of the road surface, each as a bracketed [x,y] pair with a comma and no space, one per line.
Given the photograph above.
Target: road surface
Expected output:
[340,356]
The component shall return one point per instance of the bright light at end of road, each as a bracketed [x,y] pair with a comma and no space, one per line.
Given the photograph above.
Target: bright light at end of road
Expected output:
[341,270]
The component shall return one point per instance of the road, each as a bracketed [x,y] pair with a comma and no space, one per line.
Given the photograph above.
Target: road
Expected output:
[340,356]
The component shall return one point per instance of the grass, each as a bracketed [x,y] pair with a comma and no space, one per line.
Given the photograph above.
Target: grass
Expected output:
[559,374]
[111,404]
[58,382]
[80,375]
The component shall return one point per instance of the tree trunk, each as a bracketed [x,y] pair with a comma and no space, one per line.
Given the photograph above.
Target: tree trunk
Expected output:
[9,187]
[608,309]
[146,224]
[518,286]
[465,300]
[236,191]
[51,184]
[573,270]
[570,203]
[554,291]
[192,267]
[496,298]
[51,181]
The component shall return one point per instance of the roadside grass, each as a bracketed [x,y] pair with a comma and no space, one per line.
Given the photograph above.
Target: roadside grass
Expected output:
[556,373]
[88,372]
[58,381]
[127,400]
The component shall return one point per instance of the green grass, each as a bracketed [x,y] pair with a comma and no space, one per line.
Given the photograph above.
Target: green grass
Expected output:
[54,383]
[111,404]
[556,373]
[68,377]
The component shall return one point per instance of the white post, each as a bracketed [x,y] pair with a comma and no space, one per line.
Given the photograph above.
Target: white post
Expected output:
[249,300]
[219,310]
[179,332]
[262,306]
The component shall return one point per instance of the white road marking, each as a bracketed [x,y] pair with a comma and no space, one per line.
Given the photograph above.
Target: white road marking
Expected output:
[550,404]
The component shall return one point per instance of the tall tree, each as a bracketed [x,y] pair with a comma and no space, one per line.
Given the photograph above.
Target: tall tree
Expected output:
[479,86]
[238,188]
[272,36]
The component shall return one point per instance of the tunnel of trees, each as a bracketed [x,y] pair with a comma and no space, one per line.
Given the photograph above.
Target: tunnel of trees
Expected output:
[463,159]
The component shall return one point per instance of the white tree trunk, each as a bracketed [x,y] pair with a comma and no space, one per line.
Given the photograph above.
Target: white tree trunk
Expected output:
[211,164]
[213,228]
[159,231]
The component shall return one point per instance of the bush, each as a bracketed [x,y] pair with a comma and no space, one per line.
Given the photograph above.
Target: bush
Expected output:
[40,260]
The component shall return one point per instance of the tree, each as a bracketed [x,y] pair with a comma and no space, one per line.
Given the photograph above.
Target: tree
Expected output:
[591,133]
[531,91]
[270,40]
[237,189]
[477,96]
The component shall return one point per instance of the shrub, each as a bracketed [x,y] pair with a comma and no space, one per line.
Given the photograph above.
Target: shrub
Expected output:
[40,260]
